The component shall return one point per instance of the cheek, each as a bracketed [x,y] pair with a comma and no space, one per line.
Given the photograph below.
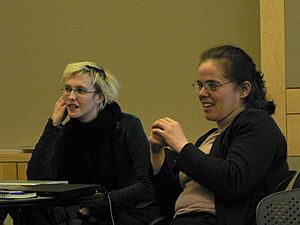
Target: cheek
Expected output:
[231,102]
[86,103]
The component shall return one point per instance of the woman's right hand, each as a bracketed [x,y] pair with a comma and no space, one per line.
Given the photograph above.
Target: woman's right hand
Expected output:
[59,112]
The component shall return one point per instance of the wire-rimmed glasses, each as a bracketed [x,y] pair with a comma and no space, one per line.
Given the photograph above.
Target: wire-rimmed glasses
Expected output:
[209,85]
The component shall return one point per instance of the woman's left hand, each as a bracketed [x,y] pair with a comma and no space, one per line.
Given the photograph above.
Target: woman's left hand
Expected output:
[171,131]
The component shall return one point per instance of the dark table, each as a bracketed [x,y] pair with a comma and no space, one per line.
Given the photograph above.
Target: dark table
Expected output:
[48,198]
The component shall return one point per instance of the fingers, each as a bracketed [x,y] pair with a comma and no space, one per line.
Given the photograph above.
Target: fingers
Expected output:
[84,211]
[60,101]
[60,104]
[163,123]
[58,114]
[160,130]
[168,132]
[156,139]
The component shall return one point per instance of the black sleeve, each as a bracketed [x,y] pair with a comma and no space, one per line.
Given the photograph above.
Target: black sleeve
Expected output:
[138,149]
[253,146]
[45,160]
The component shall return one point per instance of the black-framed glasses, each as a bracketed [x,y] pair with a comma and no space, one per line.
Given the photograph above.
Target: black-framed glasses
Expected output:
[78,90]
[95,69]
[209,85]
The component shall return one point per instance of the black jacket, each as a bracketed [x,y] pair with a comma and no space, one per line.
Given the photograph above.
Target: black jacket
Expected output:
[133,186]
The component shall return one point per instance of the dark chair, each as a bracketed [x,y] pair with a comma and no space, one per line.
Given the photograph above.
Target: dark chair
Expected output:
[280,208]
[297,182]
[285,182]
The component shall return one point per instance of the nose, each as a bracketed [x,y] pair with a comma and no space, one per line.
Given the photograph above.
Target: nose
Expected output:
[203,91]
[72,94]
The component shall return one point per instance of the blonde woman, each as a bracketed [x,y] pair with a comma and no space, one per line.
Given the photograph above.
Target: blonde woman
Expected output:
[100,145]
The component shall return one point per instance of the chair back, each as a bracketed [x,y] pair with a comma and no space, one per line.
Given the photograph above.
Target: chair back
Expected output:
[297,182]
[280,208]
[285,182]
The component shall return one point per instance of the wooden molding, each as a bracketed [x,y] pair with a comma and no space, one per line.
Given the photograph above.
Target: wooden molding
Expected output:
[273,55]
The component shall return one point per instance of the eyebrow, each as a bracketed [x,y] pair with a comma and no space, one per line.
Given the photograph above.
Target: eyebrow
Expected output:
[209,81]
[79,86]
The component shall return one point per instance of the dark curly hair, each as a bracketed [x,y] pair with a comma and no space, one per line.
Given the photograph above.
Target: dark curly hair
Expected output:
[238,66]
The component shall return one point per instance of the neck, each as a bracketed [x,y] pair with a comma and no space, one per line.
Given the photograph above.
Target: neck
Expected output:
[222,124]
[91,118]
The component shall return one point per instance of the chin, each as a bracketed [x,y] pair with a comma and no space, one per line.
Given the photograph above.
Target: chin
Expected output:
[73,116]
[210,117]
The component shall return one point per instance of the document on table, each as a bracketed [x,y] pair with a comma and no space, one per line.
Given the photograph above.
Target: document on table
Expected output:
[4,194]
[30,182]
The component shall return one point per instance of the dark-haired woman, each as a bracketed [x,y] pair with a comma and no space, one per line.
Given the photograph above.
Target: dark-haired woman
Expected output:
[221,178]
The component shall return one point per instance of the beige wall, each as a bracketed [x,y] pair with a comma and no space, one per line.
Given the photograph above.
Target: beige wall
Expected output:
[152,47]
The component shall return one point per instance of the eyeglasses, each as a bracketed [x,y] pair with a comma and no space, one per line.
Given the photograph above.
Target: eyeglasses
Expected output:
[209,85]
[78,90]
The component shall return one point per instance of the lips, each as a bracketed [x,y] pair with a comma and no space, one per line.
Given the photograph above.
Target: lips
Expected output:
[73,106]
[207,105]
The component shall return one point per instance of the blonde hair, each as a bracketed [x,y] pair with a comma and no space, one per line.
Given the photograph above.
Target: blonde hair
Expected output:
[103,80]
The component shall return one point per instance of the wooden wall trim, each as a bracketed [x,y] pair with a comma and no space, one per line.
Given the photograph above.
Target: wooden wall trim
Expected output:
[293,102]
[293,121]
[12,156]
[293,134]
[273,55]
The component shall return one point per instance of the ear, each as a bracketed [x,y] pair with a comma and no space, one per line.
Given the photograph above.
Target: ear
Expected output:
[245,89]
[98,98]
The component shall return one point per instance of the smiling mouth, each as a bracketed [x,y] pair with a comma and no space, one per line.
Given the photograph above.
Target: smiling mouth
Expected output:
[207,105]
